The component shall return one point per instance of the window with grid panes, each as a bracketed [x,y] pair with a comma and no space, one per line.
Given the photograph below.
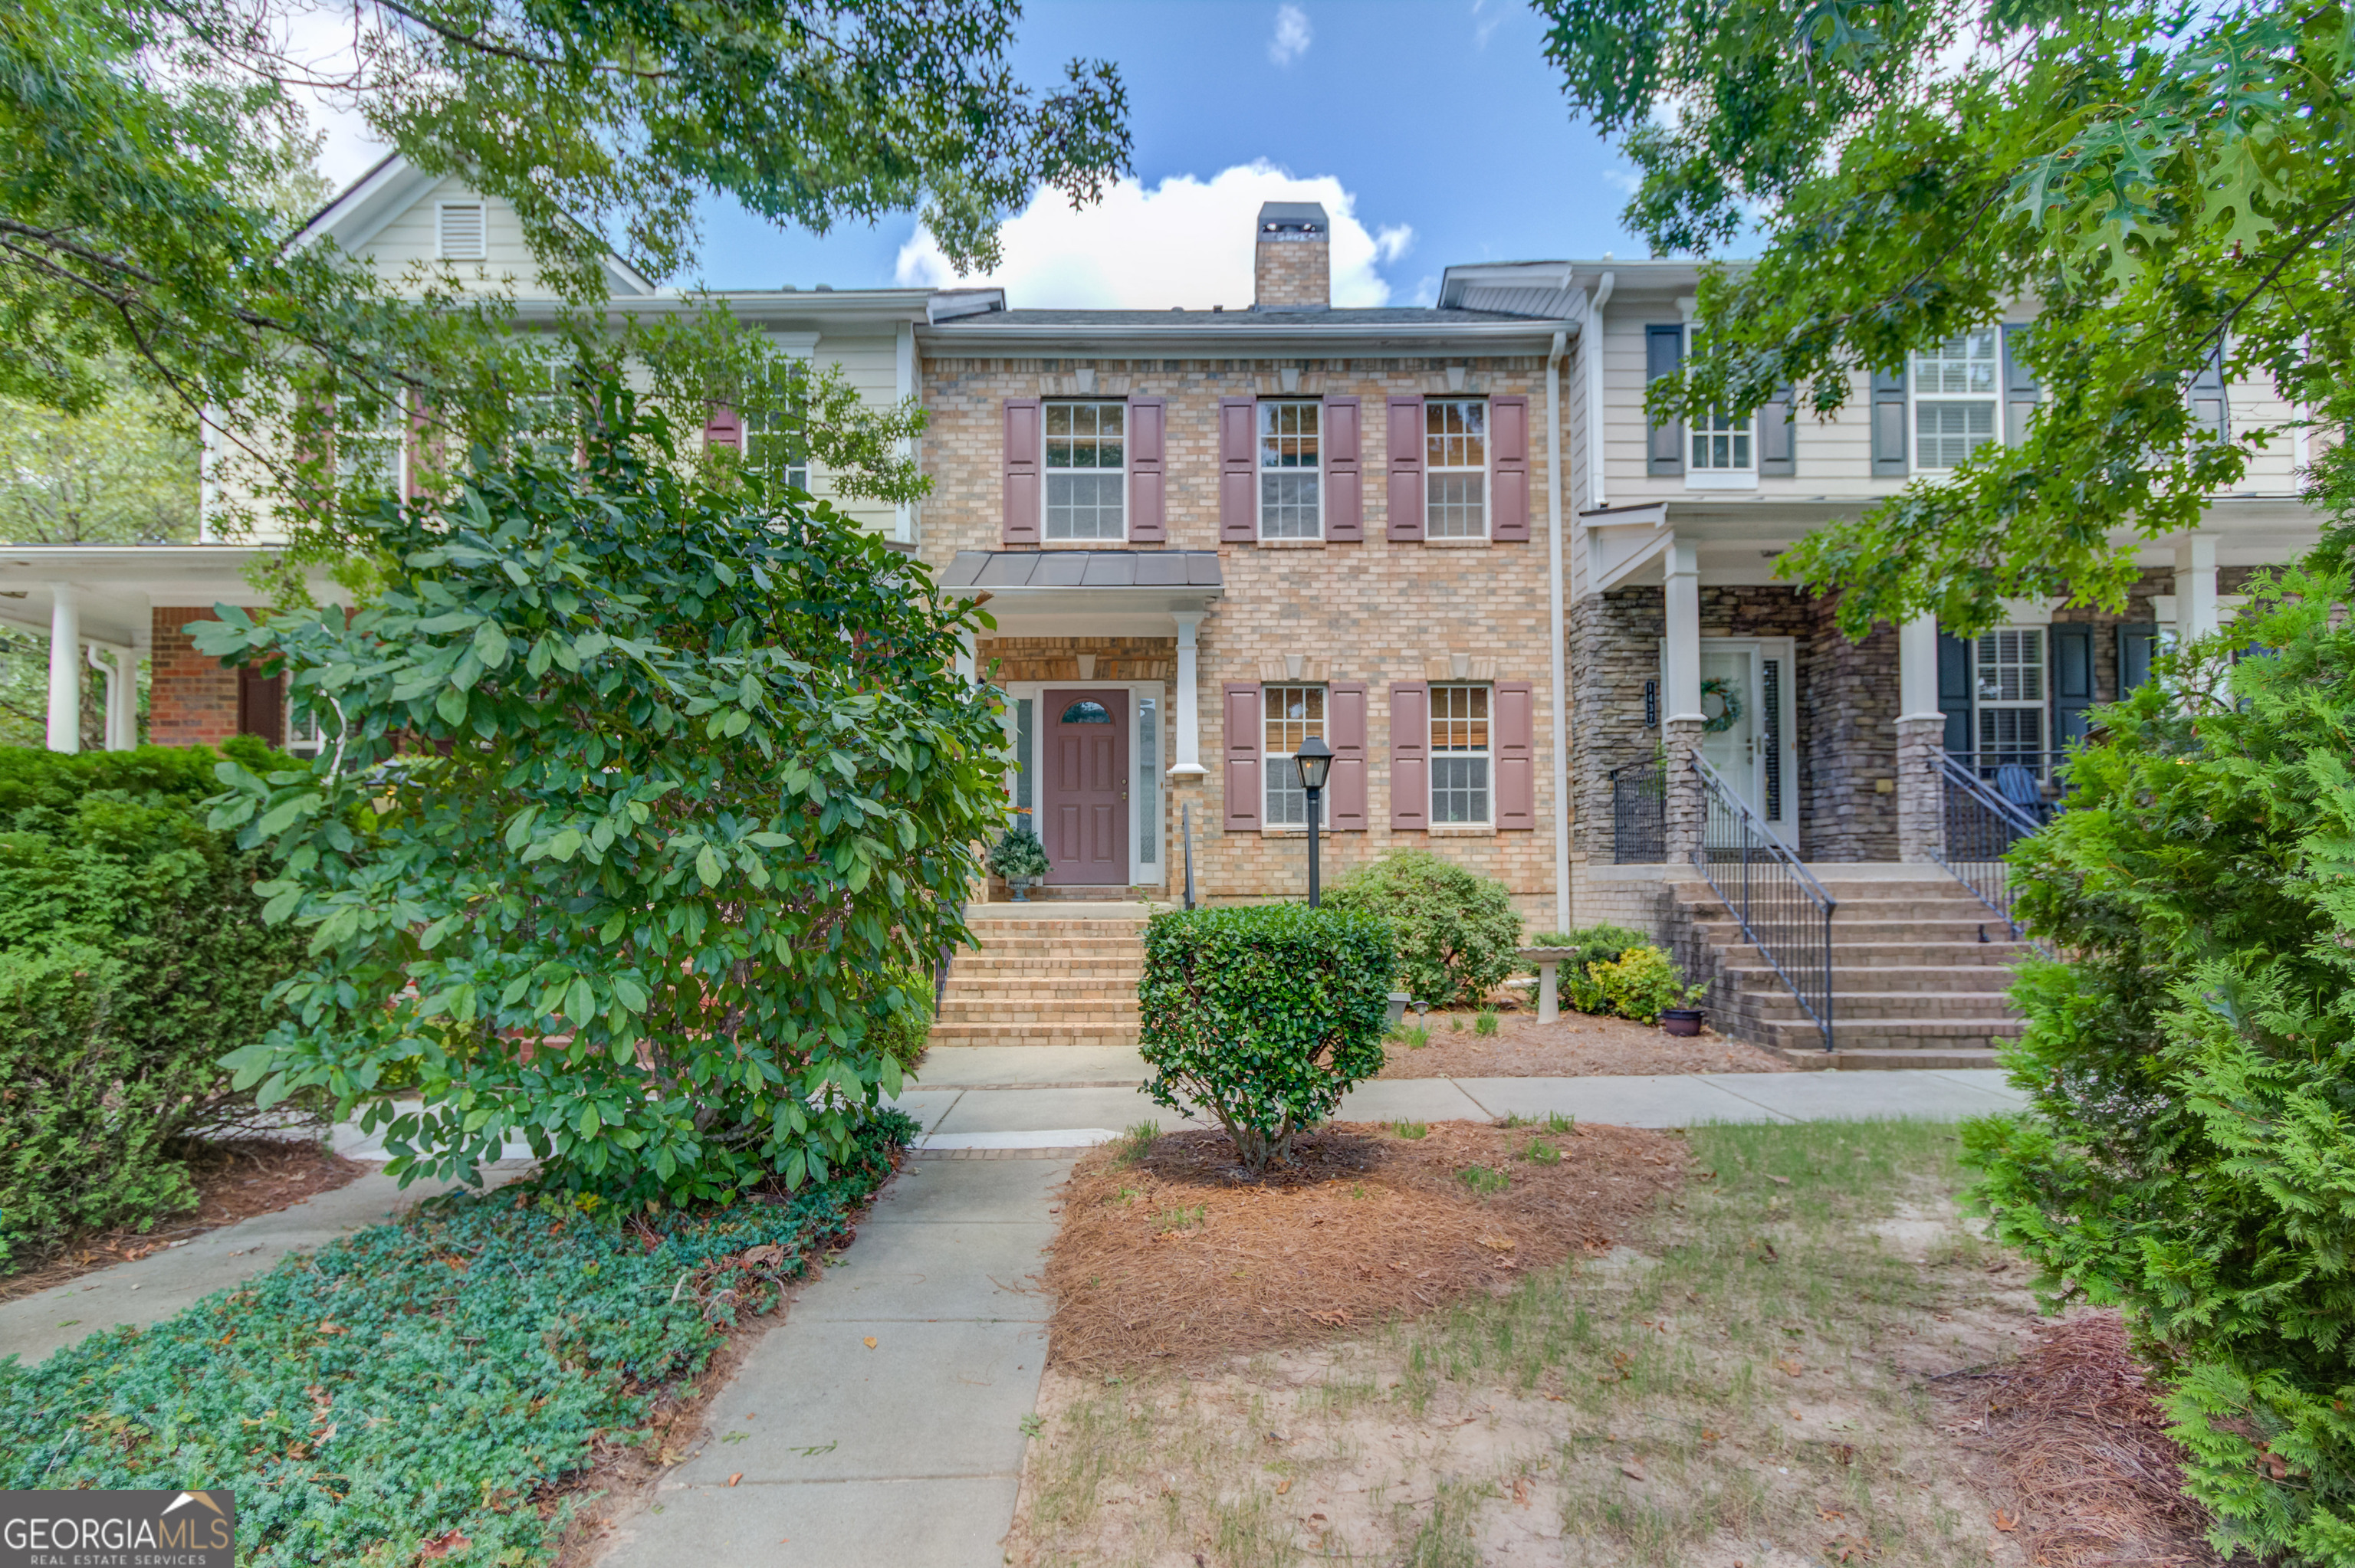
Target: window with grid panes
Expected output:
[1459,754]
[2010,695]
[772,423]
[1289,714]
[1290,498]
[372,453]
[1086,465]
[1955,389]
[1455,468]
[1720,444]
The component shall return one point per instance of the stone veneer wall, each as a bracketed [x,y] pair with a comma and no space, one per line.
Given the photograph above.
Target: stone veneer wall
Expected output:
[1850,736]
[1372,611]
[191,700]
[2154,581]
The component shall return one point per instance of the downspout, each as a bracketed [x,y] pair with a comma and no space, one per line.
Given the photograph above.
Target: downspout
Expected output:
[1593,333]
[1557,676]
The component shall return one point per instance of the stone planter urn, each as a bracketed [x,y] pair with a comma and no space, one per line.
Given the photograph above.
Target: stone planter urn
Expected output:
[1021,887]
[1549,962]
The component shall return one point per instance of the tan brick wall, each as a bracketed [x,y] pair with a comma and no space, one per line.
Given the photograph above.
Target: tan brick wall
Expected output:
[1375,612]
[192,700]
[1293,272]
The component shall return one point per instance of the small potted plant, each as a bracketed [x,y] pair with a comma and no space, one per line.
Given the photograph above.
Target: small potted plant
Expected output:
[1019,858]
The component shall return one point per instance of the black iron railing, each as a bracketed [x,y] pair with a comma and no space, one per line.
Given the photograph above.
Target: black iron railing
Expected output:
[1639,813]
[1785,912]
[1978,822]
[1186,819]
[2029,781]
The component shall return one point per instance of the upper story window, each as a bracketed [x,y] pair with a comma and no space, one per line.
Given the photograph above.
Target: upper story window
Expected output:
[773,427]
[1290,502]
[1289,716]
[462,231]
[1956,388]
[1459,754]
[372,454]
[1722,444]
[1455,468]
[1087,480]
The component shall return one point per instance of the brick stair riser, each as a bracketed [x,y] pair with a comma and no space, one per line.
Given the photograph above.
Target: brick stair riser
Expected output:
[1977,980]
[1033,1034]
[1726,932]
[1046,987]
[1885,1033]
[1885,1006]
[980,970]
[1110,1015]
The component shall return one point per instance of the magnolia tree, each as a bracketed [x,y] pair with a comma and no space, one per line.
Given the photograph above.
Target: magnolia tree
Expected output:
[633,785]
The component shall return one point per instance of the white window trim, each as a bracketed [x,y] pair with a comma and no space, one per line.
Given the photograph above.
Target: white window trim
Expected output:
[1432,756]
[1487,471]
[1267,758]
[1915,399]
[2041,705]
[1045,472]
[441,211]
[1698,478]
[1140,874]
[1261,471]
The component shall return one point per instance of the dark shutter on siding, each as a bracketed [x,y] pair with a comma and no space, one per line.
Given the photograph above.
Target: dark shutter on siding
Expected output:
[1955,690]
[1508,470]
[1889,425]
[1344,788]
[1664,356]
[2072,681]
[1238,473]
[1404,499]
[1020,525]
[1517,767]
[1146,523]
[2137,644]
[1345,485]
[261,705]
[2021,393]
[1411,756]
[1242,769]
[1778,432]
[2211,414]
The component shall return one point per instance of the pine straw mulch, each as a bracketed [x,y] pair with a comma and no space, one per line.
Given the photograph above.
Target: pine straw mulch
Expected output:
[1183,1258]
[1575,1047]
[2069,1439]
[236,1180]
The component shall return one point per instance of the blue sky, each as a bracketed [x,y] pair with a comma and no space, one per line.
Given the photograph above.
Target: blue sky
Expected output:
[1437,121]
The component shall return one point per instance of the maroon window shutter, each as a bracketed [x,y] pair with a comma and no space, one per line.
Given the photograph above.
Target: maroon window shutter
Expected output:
[1508,470]
[1238,473]
[723,428]
[1020,525]
[1242,757]
[1406,470]
[1146,523]
[1344,488]
[1411,754]
[1345,789]
[1517,766]
[262,704]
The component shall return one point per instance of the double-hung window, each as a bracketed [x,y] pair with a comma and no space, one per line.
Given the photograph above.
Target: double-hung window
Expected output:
[1289,716]
[1721,443]
[1455,467]
[372,453]
[1459,754]
[1956,388]
[2011,697]
[774,426]
[1087,479]
[1290,498]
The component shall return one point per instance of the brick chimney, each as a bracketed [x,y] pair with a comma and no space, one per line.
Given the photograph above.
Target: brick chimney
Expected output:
[1293,270]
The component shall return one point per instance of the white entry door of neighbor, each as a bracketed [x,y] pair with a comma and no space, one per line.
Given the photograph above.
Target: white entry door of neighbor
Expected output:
[1747,696]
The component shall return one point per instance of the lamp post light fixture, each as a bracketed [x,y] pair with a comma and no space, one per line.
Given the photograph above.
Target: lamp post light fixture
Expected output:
[1315,761]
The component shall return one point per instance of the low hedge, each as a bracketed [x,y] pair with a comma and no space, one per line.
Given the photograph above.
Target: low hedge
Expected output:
[1264,1016]
[133,958]
[421,1379]
[1458,934]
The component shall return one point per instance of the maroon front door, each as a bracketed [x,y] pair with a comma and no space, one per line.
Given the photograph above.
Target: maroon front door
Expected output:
[1084,805]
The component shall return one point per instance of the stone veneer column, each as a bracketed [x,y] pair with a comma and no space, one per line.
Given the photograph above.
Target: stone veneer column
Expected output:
[1681,719]
[1680,738]
[1921,738]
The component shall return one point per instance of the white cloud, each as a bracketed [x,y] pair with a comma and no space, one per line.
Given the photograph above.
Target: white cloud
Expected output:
[1623,180]
[1185,241]
[1292,34]
[1485,22]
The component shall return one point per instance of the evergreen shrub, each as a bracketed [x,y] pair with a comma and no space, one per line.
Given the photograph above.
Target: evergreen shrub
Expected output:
[1639,984]
[1458,934]
[1265,1016]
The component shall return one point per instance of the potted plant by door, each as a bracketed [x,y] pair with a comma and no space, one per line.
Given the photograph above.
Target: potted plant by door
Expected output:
[1021,859]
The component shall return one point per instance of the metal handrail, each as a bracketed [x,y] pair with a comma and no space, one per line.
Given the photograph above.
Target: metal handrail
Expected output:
[1185,818]
[1785,912]
[1977,827]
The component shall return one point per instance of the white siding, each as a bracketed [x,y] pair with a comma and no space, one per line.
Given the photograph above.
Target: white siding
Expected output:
[870,359]
[414,238]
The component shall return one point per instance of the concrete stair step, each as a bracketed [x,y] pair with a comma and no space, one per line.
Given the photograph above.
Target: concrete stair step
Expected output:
[1975,979]
[1884,1033]
[1882,1006]
[1725,930]
[1871,1060]
[1041,1010]
[1033,1034]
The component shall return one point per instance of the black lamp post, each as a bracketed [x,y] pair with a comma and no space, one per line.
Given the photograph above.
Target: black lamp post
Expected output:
[1315,759]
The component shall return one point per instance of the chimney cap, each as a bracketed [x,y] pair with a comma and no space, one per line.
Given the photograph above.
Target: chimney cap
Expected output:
[1306,217]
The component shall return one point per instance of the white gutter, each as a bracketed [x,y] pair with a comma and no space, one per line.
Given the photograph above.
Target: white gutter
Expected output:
[1593,357]
[960,337]
[1558,673]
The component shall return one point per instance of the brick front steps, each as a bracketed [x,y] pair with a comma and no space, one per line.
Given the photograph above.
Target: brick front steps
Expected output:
[1045,979]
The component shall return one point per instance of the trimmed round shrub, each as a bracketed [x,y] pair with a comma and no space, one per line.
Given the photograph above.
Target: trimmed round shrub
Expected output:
[1638,984]
[1458,934]
[1263,1017]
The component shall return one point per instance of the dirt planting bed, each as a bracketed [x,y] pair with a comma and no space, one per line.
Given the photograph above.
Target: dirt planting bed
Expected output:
[1182,1258]
[1575,1047]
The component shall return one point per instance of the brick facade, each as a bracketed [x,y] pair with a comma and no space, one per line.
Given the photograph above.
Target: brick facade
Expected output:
[192,700]
[1294,271]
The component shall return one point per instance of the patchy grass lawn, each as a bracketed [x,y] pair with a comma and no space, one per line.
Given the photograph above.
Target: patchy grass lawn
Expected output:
[1760,1385]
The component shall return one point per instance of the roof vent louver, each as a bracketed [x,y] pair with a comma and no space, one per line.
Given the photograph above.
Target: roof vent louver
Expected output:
[463,232]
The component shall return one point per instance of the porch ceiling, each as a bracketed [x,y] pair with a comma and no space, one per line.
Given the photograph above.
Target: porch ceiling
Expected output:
[116,585]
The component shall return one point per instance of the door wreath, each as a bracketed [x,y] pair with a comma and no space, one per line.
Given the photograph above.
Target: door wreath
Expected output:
[1720,688]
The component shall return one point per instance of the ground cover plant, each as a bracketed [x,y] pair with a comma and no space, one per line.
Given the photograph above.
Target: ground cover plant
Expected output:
[1458,934]
[1262,1017]
[634,784]
[1759,1377]
[424,1388]
[133,956]
[1640,983]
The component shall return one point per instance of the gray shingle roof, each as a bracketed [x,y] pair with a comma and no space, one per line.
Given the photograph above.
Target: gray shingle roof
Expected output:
[999,569]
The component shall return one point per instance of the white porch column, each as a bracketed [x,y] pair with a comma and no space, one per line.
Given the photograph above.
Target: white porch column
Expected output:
[1680,716]
[2195,588]
[121,668]
[968,661]
[1921,736]
[1187,715]
[65,667]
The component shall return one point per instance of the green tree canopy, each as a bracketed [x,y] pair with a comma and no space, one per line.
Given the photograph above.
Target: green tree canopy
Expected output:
[2161,184]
